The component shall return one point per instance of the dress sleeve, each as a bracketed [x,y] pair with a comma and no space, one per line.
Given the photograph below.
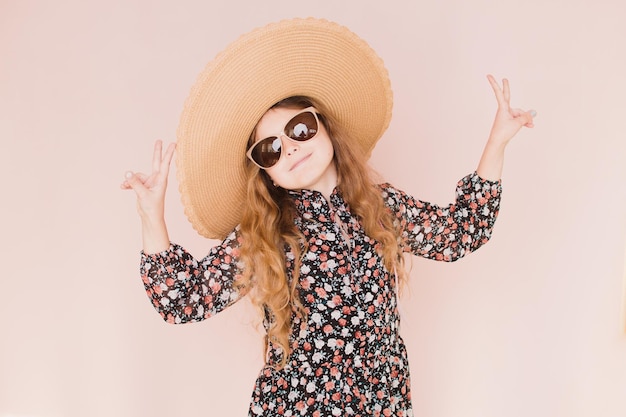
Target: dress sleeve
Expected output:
[446,233]
[183,289]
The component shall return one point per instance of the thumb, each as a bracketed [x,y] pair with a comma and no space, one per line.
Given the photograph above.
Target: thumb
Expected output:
[135,182]
[525,118]
[530,115]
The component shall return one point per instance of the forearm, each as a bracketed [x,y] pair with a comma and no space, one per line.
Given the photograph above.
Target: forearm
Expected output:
[491,161]
[466,225]
[154,234]
[183,289]
[447,233]
[175,283]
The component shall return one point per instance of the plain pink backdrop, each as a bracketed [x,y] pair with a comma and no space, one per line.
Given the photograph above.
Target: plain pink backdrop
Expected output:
[530,325]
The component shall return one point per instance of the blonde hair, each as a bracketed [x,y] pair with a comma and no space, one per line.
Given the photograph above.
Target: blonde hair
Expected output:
[268,231]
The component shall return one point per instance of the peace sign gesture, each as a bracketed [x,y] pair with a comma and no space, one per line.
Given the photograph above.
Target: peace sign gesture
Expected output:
[150,191]
[508,121]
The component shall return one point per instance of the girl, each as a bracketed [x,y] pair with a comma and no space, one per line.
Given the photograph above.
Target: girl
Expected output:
[318,245]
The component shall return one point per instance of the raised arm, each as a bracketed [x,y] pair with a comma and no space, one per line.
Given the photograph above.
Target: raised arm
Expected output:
[181,288]
[446,233]
[507,123]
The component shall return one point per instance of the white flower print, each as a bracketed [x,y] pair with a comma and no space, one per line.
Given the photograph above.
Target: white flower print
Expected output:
[350,329]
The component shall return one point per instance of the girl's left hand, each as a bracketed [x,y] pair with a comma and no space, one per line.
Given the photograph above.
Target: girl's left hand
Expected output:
[508,121]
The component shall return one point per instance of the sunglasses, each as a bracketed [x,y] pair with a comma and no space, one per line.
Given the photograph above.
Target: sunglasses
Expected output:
[302,127]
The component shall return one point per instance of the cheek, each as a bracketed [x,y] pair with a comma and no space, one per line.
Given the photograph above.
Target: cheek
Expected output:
[329,151]
[276,173]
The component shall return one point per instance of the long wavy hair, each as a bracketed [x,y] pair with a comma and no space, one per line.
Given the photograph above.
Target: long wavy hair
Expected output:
[269,234]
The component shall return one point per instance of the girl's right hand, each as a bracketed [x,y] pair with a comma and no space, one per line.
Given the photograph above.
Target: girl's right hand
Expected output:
[150,189]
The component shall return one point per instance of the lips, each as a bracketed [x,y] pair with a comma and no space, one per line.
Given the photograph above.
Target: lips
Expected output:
[297,164]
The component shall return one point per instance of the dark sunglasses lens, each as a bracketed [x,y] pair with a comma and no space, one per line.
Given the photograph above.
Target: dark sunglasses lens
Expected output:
[267,152]
[302,127]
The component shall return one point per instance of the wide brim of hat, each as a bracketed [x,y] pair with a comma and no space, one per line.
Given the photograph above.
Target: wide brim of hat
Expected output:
[308,57]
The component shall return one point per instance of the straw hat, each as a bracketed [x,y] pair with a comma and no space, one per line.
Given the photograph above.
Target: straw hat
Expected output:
[308,57]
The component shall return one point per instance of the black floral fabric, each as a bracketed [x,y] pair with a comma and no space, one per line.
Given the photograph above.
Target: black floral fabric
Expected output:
[348,358]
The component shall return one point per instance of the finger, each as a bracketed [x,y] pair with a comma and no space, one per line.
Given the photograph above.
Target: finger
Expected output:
[167,158]
[516,112]
[506,91]
[134,182]
[532,114]
[142,177]
[524,117]
[497,91]
[125,185]
[147,181]
[156,156]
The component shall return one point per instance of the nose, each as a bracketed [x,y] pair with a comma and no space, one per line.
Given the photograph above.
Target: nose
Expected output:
[290,145]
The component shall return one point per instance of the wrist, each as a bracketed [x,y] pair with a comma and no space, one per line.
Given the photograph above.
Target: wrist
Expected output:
[495,144]
[155,236]
[152,222]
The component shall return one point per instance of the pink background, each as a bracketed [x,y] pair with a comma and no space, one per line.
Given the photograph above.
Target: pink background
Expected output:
[530,325]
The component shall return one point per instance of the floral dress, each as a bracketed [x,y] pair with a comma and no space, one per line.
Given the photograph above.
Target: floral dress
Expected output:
[348,358]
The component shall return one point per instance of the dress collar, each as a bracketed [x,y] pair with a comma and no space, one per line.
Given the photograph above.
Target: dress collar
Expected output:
[312,205]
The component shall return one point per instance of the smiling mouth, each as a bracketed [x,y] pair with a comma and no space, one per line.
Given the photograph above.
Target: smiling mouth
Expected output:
[297,164]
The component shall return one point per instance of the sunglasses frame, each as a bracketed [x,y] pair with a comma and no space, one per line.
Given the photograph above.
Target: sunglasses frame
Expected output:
[282,135]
